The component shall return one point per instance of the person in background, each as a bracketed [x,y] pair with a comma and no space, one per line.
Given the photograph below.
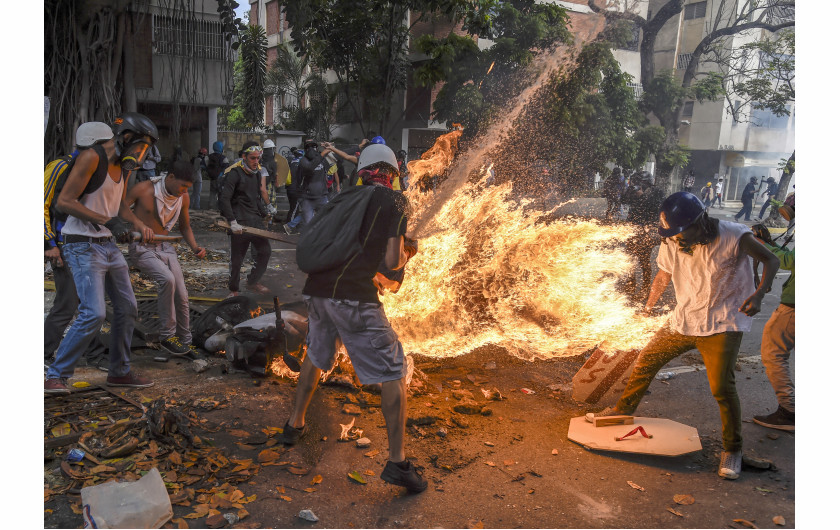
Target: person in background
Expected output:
[217,162]
[706,194]
[747,200]
[613,189]
[688,181]
[199,163]
[149,168]
[770,192]
[718,193]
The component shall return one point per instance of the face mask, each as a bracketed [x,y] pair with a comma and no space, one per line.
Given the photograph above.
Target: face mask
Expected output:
[311,153]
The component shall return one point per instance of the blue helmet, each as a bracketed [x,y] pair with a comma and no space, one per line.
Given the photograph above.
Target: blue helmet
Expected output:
[678,212]
[378,140]
[218,147]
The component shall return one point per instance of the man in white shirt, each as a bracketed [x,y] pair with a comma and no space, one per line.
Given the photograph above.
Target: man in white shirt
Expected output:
[718,194]
[708,262]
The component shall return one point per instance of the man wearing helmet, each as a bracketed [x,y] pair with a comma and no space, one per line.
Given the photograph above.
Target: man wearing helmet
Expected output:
[94,199]
[314,171]
[708,262]
[644,199]
[747,200]
[343,303]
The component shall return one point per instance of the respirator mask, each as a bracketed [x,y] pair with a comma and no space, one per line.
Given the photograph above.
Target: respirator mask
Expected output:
[132,152]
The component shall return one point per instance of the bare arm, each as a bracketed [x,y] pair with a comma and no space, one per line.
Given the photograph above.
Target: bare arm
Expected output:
[395,256]
[753,248]
[77,180]
[660,283]
[264,190]
[350,158]
[186,229]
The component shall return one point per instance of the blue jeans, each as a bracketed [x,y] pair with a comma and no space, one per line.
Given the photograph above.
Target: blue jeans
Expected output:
[98,269]
[195,195]
[309,206]
[144,174]
[763,208]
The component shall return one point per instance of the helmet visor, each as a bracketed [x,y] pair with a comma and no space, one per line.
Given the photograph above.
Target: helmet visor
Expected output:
[135,153]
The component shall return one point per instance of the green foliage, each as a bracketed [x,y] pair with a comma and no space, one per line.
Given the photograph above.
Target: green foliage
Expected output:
[676,156]
[663,95]
[708,88]
[293,78]
[476,81]
[771,85]
[249,91]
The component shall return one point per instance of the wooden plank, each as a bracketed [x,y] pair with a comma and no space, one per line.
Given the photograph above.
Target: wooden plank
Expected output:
[613,420]
[268,234]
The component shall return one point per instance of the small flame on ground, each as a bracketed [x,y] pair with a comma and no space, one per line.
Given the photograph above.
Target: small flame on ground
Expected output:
[256,312]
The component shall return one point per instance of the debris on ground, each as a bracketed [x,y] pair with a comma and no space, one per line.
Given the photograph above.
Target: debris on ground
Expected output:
[779,520]
[635,486]
[307,515]
[745,523]
[684,499]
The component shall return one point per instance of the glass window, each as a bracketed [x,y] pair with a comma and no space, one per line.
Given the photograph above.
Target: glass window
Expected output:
[688,108]
[696,10]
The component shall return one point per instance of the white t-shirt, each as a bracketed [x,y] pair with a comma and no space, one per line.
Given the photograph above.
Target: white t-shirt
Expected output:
[711,284]
[718,188]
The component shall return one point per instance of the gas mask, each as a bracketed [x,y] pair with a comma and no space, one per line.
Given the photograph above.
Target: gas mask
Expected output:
[132,152]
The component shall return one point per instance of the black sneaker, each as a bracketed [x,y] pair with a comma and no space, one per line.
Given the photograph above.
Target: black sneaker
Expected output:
[782,419]
[174,346]
[404,474]
[290,435]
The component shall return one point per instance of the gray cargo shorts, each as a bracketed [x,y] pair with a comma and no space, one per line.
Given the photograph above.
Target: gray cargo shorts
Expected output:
[374,349]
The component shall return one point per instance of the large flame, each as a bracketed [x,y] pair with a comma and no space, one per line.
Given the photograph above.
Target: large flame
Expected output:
[490,271]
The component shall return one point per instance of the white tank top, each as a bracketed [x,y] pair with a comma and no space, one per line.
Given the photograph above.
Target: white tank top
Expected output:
[106,201]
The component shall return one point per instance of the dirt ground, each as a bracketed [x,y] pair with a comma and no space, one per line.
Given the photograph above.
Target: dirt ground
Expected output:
[507,464]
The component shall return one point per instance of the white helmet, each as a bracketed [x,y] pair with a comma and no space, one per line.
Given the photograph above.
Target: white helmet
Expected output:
[375,154]
[268,144]
[91,132]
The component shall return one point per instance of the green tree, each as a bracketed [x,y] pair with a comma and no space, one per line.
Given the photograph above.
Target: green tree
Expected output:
[250,92]
[476,82]
[664,94]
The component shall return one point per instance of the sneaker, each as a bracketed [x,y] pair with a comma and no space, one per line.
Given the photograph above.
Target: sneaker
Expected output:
[56,385]
[290,230]
[404,474]
[130,380]
[782,419]
[259,288]
[290,435]
[609,411]
[174,346]
[730,464]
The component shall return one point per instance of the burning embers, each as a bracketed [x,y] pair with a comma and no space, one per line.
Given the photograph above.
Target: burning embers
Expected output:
[490,272]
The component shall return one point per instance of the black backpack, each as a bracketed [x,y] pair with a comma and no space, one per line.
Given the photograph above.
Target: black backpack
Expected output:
[334,234]
[215,165]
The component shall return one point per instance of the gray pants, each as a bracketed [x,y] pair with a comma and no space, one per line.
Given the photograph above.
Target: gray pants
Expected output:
[160,262]
[778,339]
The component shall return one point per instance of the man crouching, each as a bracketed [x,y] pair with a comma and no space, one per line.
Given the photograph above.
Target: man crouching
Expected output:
[160,203]
[343,303]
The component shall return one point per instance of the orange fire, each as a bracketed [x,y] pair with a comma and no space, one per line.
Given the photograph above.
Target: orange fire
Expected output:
[436,160]
[490,272]
[256,312]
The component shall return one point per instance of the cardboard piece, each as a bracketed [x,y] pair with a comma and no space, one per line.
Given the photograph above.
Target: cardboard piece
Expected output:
[669,438]
[602,378]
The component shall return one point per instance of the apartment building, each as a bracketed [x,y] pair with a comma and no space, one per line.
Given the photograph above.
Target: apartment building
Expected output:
[721,146]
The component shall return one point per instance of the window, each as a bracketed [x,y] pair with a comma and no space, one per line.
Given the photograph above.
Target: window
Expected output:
[688,109]
[764,118]
[696,10]
[637,90]
[189,37]
[682,60]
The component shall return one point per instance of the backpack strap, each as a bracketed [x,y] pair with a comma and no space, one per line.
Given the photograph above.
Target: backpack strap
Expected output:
[101,173]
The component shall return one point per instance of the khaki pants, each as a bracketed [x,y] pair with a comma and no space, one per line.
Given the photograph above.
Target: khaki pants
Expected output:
[719,351]
[776,342]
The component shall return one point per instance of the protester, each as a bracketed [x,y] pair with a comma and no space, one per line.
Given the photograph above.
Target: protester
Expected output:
[718,194]
[160,203]
[777,341]
[706,195]
[613,188]
[747,200]
[269,172]
[401,161]
[93,196]
[199,169]
[240,203]
[708,262]
[343,304]
[644,200]
[770,192]
[314,172]
[217,162]
[293,217]
[688,181]
[149,169]
[66,301]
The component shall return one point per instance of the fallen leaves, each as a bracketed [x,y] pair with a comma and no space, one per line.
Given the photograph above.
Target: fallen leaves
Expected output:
[316,480]
[635,486]
[267,455]
[684,499]
[372,453]
[675,512]
[779,520]
[744,522]
[354,475]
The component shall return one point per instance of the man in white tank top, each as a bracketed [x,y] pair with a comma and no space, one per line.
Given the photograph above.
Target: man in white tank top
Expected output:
[708,262]
[160,203]
[94,199]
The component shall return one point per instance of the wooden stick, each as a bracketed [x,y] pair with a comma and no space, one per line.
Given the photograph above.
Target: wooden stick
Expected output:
[268,234]
[604,421]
